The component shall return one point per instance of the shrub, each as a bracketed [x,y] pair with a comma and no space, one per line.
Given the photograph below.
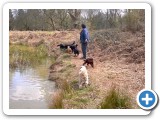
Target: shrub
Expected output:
[115,100]
[134,20]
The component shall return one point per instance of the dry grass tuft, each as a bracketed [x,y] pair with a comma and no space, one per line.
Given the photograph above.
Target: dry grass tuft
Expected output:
[115,100]
[57,100]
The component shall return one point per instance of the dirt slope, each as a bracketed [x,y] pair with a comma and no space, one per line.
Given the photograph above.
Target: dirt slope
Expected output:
[126,77]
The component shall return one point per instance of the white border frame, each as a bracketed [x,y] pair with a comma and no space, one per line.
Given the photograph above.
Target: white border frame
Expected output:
[8,6]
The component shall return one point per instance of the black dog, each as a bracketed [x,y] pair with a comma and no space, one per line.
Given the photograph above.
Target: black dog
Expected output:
[73,47]
[75,50]
[89,61]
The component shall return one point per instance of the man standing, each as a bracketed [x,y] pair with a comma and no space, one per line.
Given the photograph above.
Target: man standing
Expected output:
[84,39]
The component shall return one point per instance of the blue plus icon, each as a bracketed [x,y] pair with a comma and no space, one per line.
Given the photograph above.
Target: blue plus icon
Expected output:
[147,99]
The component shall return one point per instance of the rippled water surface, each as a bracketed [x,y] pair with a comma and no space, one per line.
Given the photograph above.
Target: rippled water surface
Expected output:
[30,88]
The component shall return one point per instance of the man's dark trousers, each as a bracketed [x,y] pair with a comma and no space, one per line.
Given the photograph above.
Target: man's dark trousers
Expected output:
[84,49]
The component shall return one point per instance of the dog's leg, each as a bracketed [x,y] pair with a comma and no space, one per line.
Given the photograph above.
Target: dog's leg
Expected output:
[84,63]
[87,80]
[92,65]
[79,83]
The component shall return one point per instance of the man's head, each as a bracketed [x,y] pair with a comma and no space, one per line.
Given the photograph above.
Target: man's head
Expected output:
[83,26]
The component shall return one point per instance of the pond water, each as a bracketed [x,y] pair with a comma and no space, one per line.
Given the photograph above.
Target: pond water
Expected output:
[29,88]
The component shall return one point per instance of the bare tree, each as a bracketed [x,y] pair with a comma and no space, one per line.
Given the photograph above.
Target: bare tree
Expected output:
[61,18]
[50,17]
[11,20]
[75,16]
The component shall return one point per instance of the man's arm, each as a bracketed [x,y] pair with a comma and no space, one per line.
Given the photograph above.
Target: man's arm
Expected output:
[86,35]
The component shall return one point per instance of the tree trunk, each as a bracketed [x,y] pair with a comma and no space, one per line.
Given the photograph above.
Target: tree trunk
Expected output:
[75,16]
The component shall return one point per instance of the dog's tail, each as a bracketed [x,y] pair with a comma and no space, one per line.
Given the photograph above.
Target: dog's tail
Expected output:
[73,43]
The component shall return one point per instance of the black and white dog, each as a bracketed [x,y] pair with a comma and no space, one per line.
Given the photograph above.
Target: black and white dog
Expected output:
[65,46]
[62,46]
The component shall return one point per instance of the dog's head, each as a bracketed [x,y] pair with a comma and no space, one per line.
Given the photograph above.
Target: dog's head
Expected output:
[88,59]
[60,45]
[71,46]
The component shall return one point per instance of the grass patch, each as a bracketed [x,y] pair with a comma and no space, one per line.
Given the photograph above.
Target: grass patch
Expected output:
[66,56]
[79,98]
[82,100]
[66,79]
[63,85]
[21,55]
[115,100]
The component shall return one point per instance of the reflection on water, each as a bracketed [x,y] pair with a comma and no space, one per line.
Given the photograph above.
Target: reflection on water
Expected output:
[30,89]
